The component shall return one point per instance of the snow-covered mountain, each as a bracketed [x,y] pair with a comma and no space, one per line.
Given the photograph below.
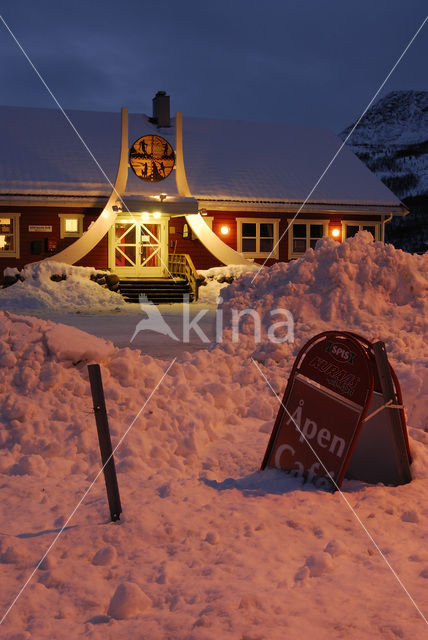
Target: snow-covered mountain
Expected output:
[392,140]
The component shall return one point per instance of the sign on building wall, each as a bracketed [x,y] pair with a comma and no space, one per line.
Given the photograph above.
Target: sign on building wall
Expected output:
[342,414]
[45,228]
[152,158]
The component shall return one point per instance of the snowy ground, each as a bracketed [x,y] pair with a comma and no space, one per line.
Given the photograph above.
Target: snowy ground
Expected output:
[119,327]
[207,546]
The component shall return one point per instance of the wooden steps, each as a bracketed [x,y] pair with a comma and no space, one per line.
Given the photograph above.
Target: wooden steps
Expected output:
[158,291]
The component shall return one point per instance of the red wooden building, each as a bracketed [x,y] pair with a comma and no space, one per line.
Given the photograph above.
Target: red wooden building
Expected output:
[232,195]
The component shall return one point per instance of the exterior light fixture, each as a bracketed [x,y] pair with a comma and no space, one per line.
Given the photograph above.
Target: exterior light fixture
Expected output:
[335,229]
[224,230]
[117,207]
[145,215]
[163,197]
[157,214]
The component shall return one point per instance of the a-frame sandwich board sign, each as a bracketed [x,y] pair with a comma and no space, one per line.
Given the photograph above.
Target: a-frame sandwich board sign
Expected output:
[341,415]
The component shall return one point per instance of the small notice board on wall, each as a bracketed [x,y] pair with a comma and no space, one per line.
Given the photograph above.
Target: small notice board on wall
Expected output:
[342,415]
[44,228]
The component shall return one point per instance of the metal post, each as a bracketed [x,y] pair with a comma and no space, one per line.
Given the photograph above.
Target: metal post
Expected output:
[104,441]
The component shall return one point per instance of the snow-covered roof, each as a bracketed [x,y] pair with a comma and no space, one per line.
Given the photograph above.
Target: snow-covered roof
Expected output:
[224,160]
[40,153]
[235,160]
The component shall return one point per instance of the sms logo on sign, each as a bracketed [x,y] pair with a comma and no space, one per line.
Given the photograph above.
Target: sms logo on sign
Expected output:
[339,353]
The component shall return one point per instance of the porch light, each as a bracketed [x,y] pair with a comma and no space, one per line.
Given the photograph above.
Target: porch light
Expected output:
[145,215]
[162,197]
[224,230]
[335,232]
[157,214]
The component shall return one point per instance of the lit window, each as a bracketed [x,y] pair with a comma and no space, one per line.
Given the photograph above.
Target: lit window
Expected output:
[258,238]
[71,225]
[9,235]
[305,235]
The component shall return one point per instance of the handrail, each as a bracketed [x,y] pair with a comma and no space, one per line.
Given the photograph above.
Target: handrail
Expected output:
[180,264]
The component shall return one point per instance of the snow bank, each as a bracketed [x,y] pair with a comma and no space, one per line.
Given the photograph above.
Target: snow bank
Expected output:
[359,285]
[38,292]
[44,388]
[199,551]
[219,277]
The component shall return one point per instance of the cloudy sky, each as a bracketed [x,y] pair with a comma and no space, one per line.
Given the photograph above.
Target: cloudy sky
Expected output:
[271,60]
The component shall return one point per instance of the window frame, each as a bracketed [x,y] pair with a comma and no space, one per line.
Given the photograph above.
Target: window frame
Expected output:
[360,225]
[291,223]
[274,254]
[16,234]
[71,216]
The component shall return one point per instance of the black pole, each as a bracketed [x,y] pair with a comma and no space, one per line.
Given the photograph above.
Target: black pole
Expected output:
[105,441]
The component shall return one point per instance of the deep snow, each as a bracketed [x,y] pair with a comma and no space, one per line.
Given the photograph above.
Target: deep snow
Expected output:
[207,546]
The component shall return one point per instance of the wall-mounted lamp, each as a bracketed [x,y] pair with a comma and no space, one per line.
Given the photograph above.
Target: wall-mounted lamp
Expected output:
[157,214]
[117,208]
[162,197]
[224,230]
[336,232]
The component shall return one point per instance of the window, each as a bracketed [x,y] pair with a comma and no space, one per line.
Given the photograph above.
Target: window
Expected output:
[258,238]
[304,235]
[9,235]
[352,228]
[71,225]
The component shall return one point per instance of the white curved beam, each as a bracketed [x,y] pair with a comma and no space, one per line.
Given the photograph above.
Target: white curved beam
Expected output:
[209,239]
[102,224]
[180,171]
[213,243]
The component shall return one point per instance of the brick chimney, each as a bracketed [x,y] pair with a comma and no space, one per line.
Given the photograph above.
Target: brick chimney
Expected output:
[161,115]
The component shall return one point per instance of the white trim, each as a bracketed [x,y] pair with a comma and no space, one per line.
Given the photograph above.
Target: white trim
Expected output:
[360,224]
[258,254]
[16,233]
[307,222]
[63,217]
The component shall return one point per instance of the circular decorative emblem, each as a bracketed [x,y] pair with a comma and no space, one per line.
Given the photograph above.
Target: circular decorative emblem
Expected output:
[152,158]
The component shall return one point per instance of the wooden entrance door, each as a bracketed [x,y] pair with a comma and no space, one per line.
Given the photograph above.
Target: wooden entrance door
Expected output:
[138,248]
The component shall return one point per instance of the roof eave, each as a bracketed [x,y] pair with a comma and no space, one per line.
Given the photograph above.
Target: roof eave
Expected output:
[293,206]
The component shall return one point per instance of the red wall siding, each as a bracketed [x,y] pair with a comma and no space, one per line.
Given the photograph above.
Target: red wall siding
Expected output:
[98,257]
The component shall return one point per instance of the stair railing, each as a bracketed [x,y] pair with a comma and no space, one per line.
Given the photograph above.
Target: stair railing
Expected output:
[180,265]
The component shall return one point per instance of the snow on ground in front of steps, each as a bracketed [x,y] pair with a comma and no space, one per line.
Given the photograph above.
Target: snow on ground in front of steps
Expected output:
[39,293]
[207,546]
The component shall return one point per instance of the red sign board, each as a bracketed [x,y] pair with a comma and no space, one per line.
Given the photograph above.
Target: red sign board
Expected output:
[325,406]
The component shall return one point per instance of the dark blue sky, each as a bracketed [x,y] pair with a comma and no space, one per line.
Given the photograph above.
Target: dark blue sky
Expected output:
[278,61]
